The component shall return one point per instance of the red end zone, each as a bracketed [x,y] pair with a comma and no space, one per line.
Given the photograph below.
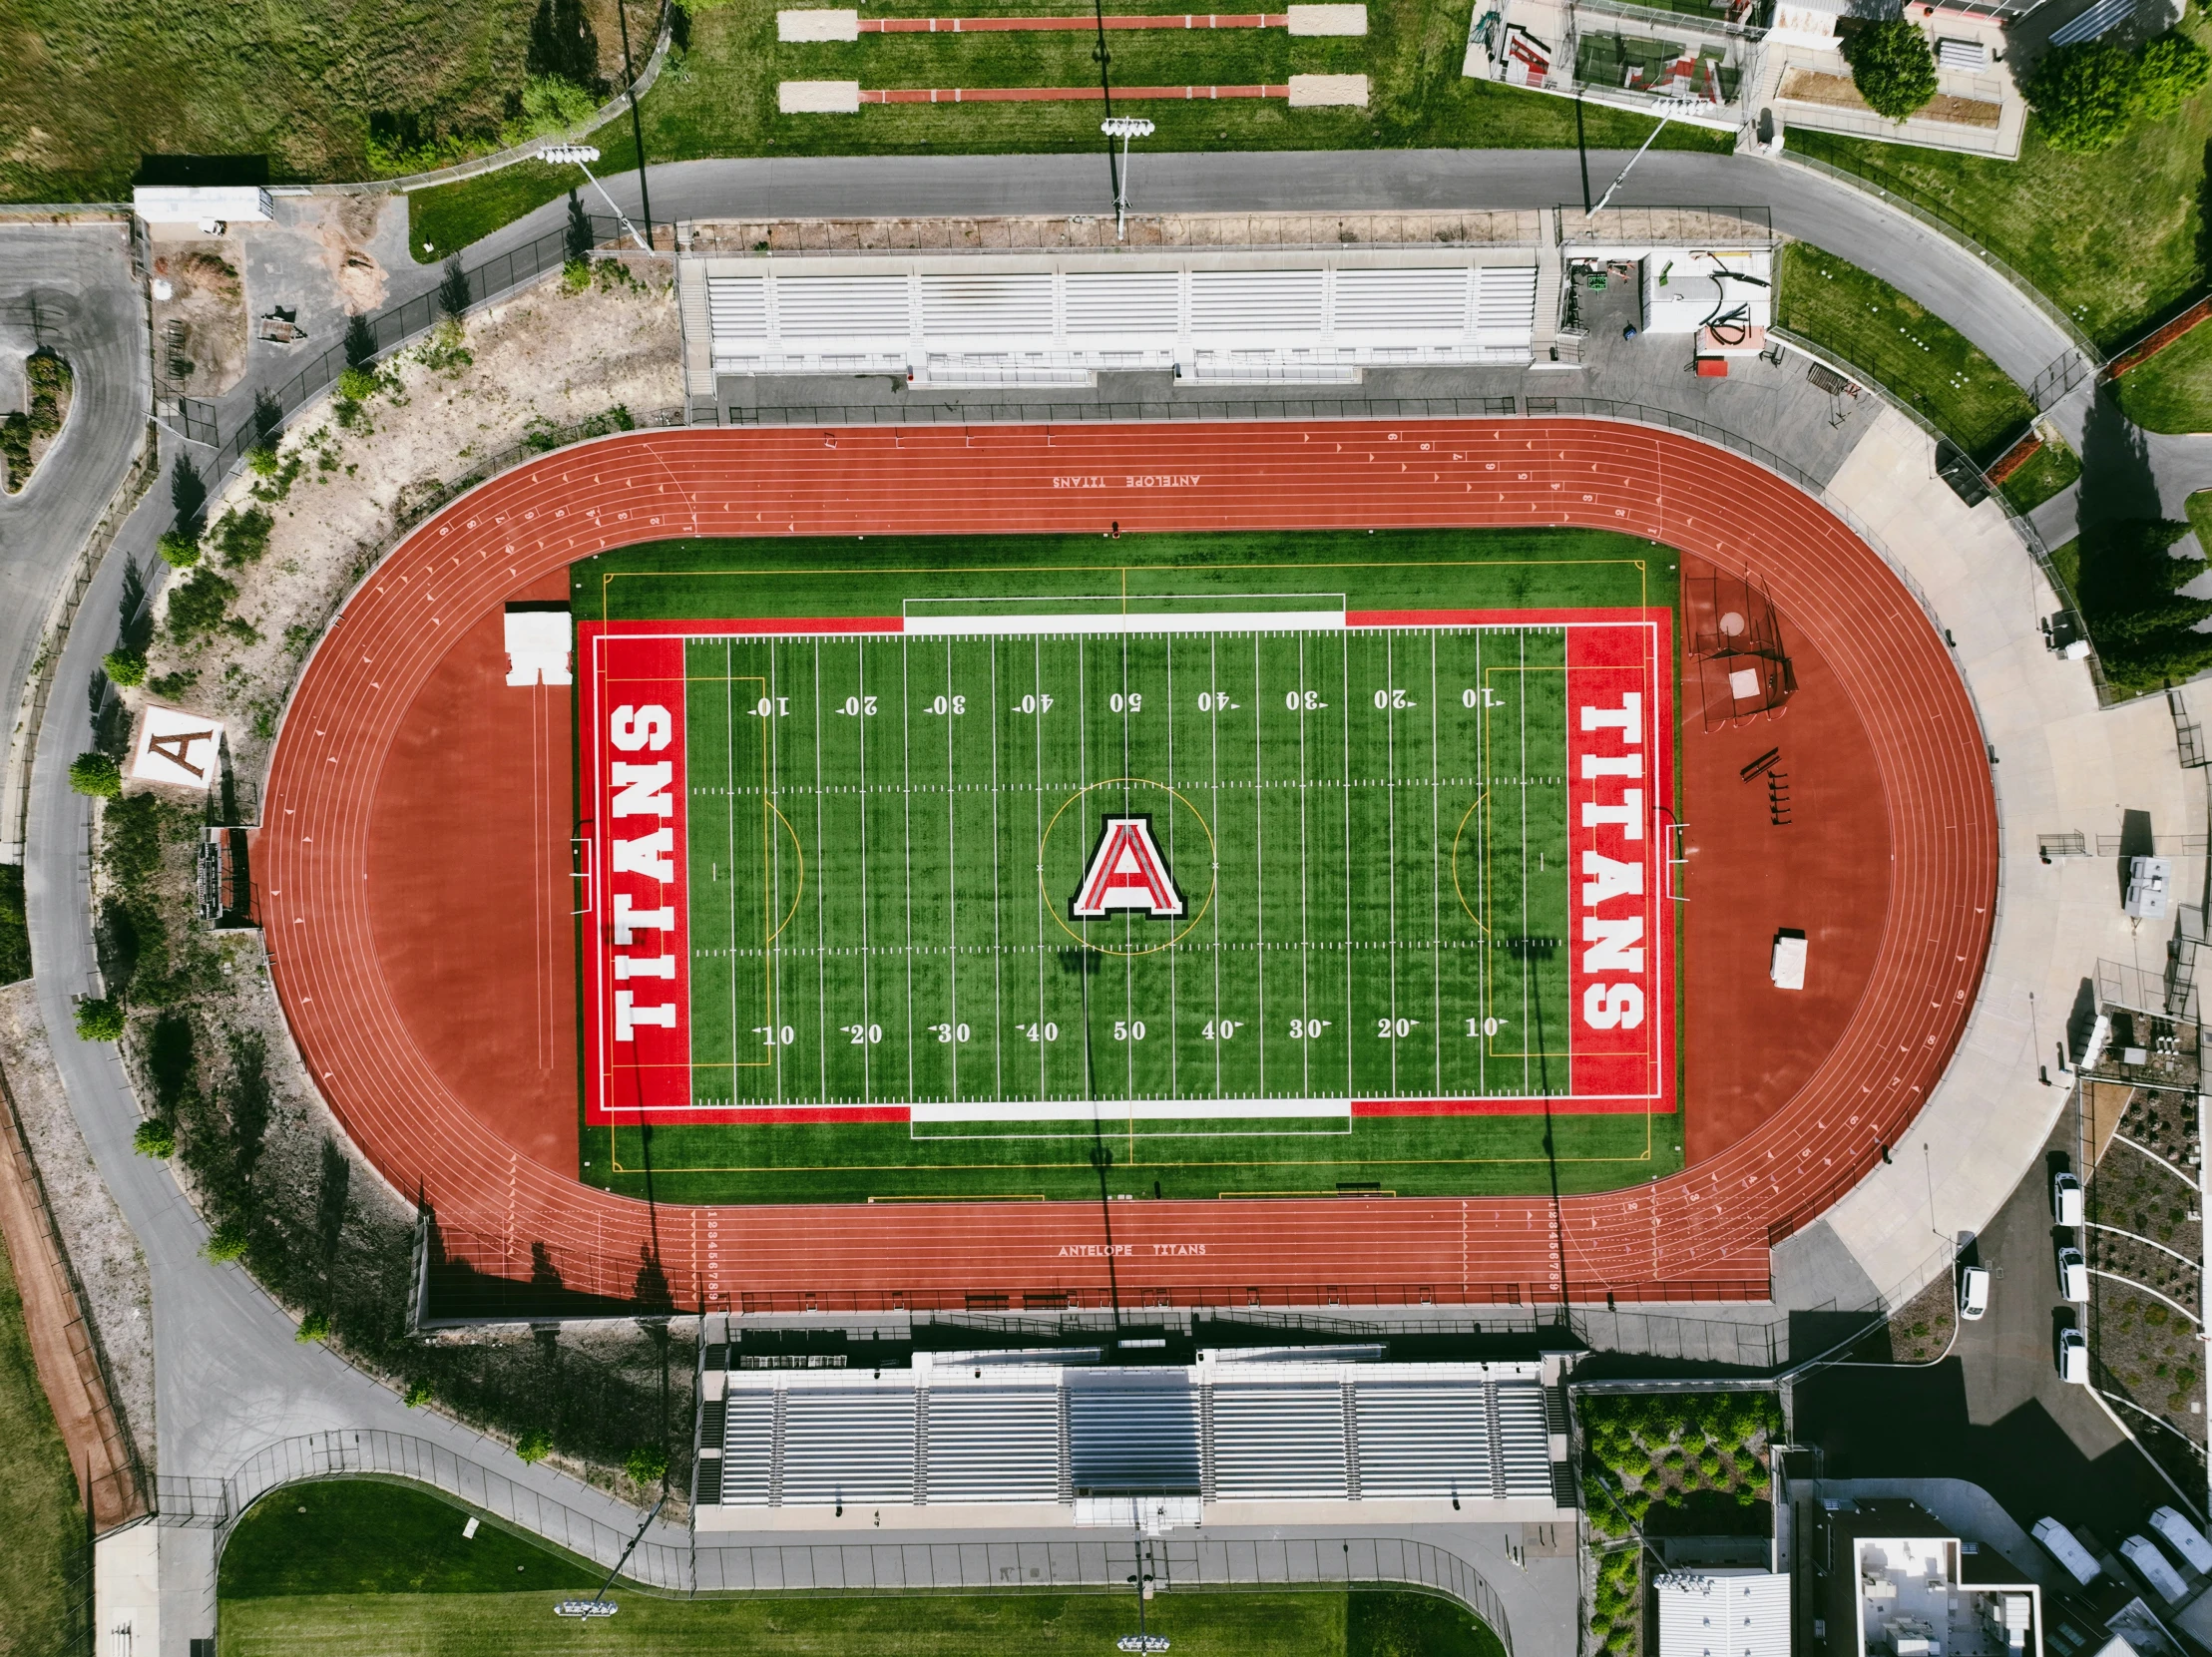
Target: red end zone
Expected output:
[1620,772]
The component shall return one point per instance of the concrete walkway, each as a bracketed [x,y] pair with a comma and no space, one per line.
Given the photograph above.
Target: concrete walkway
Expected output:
[2061,764]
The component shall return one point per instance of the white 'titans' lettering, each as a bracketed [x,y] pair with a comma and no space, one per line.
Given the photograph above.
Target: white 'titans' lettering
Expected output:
[1616,944]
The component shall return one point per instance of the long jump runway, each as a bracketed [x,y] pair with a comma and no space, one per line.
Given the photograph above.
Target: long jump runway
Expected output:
[1702,1234]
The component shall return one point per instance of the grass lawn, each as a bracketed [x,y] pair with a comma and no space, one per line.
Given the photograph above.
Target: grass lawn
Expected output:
[2051,469]
[1911,352]
[41,1522]
[720,100]
[371,1567]
[90,85]
[2200,515]
[2115,238]
[2172,393]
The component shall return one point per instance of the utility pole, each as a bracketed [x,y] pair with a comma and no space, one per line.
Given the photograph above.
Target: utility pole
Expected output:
[636,125]
[1124,128]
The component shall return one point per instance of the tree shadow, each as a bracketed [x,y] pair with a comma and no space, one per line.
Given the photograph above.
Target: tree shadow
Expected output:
[2117,483]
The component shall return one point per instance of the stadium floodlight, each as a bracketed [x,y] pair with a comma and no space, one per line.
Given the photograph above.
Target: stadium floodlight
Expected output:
[1667,109]
[1124,128]
[582,155]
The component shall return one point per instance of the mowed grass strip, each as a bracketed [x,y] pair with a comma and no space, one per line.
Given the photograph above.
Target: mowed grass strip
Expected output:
[718,98]
[1436,568]
[1409,1156]
[1367,829]
[367,1567]
[1915,356]
[2172,393]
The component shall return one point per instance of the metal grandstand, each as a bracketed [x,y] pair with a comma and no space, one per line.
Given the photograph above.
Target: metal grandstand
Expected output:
[986,1430]
[1039,319]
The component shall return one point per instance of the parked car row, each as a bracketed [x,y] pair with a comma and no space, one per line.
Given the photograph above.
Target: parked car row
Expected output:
[2073,1274]
[2186,1542]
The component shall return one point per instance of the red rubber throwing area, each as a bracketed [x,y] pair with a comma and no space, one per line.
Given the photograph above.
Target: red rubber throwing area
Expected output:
[379,837]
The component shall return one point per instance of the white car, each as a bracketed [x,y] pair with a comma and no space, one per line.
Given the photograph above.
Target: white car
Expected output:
[2073,1274]
[1974,1292]
[2073,1357]
[2065,1198]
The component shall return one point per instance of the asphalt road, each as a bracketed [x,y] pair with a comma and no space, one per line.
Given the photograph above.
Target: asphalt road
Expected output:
[68,287]
[1912,257]
[1994,1413]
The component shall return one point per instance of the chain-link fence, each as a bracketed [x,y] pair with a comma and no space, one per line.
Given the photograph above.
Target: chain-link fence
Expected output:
[676,1562]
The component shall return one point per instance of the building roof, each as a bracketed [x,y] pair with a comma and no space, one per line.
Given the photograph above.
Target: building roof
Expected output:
[1724,1613]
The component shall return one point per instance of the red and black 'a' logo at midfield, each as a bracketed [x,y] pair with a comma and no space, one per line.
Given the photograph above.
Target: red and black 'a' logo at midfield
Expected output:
[1126,873]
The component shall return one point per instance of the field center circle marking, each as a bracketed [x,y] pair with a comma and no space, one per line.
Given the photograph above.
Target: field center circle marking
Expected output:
[1458,835]
[1213,867]
[798,851]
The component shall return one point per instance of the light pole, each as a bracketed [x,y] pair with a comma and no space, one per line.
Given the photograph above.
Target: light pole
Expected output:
[1124,128]
[582,155]
[1667,113]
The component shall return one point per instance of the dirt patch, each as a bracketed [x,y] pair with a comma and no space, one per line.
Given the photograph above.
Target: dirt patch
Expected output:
[200,329]
[1836,92]
[1961,112]
[542,360]
[348,224]
[1811,85]
[118,1295]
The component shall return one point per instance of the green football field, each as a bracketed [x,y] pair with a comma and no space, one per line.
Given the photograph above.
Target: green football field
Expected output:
[888,993]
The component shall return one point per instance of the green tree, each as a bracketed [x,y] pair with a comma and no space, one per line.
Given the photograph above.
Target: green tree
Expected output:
[2129,592]
[535,1444]
[1892,66]
[2084,96]
[2172,68]
[227,1242]
[647,1463]
[198,605]
[155,1137]
[99,1020]
[316,1326]
[453,288]
[96,774]
[179,549]
[124,667]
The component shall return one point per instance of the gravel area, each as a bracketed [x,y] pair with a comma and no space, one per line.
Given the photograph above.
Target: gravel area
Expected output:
[543,359]
[101,1247]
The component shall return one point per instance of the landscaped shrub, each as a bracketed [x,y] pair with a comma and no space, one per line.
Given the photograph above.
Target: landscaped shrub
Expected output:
[124,667]
[358,385]
[647,1463]
[96,774]
[179,549]
[242,536]
[316,1326]
[99,1020]
[155,1137]
[198,605]
[227,1241]
[1892,66]
[535,1444]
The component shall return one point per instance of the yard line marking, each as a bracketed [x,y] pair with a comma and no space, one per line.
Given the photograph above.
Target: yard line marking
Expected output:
[1481,865]
[1174,1005]
[1037,687]
[1259,868]
[729,820]
[1527,1037]
[1436,873]
[1305,885]
[821,935]
[1213,806]
[906,777]
[998,897]
[772,881]
[951,874]
[867,947]
[1390,810]
[1344,716]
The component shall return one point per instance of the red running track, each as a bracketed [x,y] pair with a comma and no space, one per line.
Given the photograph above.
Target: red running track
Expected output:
[1702,1234]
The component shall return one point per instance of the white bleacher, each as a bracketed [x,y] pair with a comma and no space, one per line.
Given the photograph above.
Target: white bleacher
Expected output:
[1523,1440]
[986,319]
[975,1432]
[1423,1440]
[1278,1442]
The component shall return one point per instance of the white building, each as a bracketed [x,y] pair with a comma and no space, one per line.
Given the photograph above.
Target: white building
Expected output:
[1723,1613]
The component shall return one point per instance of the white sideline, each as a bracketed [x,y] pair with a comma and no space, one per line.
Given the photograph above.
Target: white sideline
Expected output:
[1109,1111]
[1237,621]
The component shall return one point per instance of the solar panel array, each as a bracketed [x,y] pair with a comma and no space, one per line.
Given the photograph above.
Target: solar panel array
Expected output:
[1029,1432]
